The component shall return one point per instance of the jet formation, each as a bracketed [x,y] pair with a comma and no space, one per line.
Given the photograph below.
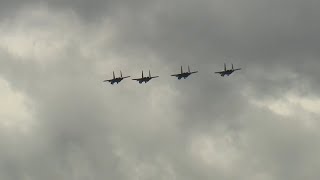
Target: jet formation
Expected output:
[179,76]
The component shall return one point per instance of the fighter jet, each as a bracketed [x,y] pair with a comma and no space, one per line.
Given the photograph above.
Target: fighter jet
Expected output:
[227,72]
[145,79]
[116,80]
[184,74]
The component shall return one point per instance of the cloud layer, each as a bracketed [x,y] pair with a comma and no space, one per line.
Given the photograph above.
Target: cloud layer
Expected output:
[60,121]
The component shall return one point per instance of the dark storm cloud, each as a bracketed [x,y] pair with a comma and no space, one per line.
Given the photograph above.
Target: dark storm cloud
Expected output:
[279,35]
[264,35]
[202,128]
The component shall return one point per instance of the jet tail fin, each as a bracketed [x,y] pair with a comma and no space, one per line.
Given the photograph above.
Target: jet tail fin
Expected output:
[142,74]
[181,70]
[120,73]
[113,75]
[189,69]
[225,67]
[232,66]
[149,74]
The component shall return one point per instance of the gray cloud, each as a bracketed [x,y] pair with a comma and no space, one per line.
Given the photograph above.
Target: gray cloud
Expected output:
[206,127]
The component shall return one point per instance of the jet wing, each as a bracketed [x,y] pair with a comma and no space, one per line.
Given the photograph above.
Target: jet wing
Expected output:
[109,80]
[193,72]
[137,79]
[176,75]
[220,72]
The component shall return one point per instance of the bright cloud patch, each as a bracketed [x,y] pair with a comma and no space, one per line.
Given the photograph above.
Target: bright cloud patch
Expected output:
[290,104]
[307,103]
[15,109]
[42,35]
[35,34]
[216,152]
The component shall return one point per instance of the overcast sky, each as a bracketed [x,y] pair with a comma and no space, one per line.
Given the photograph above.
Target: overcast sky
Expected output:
[58,120]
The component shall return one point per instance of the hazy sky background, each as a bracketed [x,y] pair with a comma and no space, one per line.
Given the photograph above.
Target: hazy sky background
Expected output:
[58,120]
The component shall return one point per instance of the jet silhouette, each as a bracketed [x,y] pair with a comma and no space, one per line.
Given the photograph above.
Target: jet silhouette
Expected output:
[184,74]
[116,80]
[227,71]
[145,79]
